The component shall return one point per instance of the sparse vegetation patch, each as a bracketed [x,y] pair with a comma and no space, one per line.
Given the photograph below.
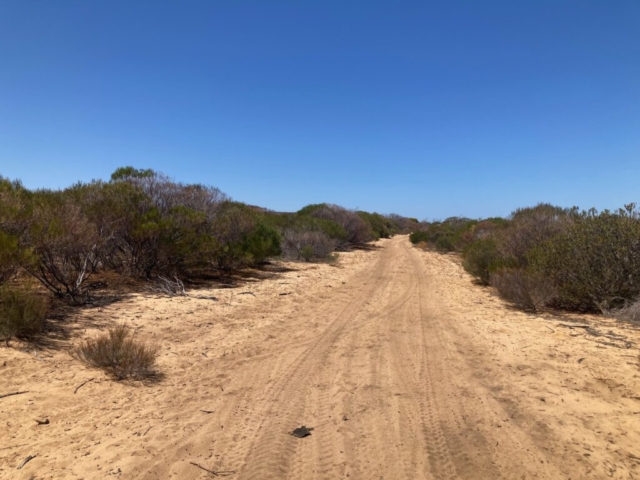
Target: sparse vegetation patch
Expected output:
[119,354]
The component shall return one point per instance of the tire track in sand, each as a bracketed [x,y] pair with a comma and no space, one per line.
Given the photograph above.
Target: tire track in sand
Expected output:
[271,453]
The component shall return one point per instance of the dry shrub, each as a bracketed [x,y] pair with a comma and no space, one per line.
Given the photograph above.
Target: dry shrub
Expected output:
[596,262]
[524,290]
[307,245]
[629,313]
[22,314]
[118,354]
[356,228]
[529,228]
[65,246]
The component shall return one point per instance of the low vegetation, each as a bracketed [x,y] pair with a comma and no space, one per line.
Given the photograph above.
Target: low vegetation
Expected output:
[119,354]
[546,256]
[142,225]
[22,313]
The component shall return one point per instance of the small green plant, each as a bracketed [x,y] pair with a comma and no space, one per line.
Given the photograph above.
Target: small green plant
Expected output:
[22,313]
[306,253]
[119,354]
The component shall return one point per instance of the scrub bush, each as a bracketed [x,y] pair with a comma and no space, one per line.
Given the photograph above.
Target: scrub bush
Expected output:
[481,258]
[118,354]
[22,313]
[596,262]
[524,290]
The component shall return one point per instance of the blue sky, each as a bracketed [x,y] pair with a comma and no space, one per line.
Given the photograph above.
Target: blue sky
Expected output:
[427,109]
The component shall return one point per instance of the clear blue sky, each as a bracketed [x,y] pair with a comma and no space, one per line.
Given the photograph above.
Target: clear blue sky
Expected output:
[427,109]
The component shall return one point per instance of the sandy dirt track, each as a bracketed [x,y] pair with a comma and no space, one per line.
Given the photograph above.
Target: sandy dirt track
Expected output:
[404,368]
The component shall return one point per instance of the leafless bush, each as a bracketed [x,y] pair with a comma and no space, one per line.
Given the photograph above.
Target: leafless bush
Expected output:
[22,313]
[65,246]
[169,287]
[524,290]
[307,245]
[118,354]
[630,312]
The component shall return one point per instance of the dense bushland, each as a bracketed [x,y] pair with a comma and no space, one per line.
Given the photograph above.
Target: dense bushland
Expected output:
[550,256]
[143,225]
[595,262]
[446,236]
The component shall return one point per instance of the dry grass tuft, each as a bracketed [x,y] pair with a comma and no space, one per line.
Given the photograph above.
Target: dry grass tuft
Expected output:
[118,354]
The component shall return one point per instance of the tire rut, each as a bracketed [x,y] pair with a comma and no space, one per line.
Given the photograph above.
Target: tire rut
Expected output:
[272,452]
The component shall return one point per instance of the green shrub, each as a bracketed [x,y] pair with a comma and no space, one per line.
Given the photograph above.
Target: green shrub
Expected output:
[306,252]
[481,258]
[356,229]
[119,354]
[10,256]
[420,236]
[596,262]
[22,313]
[262,242]
[446,236]
[445,244]
[380,226]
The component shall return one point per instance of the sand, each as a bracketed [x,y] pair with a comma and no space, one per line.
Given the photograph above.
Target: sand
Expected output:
[403,367]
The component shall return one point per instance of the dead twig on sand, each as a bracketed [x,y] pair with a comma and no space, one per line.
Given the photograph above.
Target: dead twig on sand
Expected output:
[82,384]
[205,297]
[26,460]
[568,325]
[224,473]
[247,293]
[12,393]
[207,411]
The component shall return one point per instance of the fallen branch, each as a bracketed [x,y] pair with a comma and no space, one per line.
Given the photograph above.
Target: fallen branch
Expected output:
[26,460]
[82,384]
[12,393]
[247,293]
[169,287]
[568,325]
[206,297]
[215,474]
